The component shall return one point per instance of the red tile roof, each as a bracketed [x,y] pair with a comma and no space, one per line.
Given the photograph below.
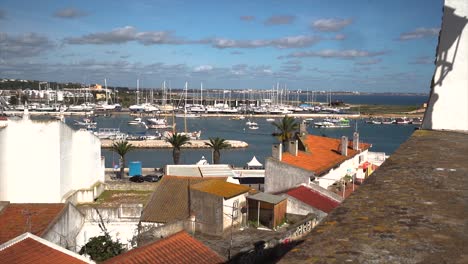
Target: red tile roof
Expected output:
[313,198]
[36,250]
[14,219]
[323,154]
[178,248]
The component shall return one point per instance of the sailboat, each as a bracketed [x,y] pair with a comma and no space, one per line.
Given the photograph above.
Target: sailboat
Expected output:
[186,114]
[106,106]
[190,135]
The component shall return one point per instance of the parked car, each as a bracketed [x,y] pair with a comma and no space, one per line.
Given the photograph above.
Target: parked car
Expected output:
[152,177]
[137,178]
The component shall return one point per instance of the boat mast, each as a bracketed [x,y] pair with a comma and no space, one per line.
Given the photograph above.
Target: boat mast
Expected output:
[105,87]
[138,92]
[201,93]
[185,108]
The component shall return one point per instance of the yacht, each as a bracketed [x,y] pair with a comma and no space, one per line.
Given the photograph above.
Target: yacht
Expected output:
[250,123]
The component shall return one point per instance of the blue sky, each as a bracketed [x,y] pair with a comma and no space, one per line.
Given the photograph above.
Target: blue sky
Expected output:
[359,45]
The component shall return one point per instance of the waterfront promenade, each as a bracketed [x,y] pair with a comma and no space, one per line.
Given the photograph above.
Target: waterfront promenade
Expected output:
[107,143]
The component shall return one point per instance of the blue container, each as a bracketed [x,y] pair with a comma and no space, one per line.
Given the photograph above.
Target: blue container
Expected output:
[134,168]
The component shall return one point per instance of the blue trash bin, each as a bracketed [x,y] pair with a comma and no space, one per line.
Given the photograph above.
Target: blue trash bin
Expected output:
[134,168]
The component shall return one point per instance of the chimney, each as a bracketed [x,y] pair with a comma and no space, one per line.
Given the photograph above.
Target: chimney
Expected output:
[344,146]
[302,129]
[292,147]
[356,141]
[277,151]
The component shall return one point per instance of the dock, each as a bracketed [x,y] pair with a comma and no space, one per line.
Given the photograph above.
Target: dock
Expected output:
[162,144]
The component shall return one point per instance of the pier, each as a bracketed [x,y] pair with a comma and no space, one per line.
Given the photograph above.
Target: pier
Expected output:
[162,144]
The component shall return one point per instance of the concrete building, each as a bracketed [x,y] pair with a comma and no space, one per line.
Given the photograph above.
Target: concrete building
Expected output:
[314,159]
[448,108]
[50,162]
[216,205]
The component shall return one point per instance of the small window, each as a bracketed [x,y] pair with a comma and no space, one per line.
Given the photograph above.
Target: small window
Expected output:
[361,159]
[235,209]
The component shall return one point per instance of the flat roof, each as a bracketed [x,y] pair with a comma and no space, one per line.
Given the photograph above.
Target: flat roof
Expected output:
[266,197]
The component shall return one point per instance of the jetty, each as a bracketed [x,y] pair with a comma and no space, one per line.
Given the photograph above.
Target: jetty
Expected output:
[162,144]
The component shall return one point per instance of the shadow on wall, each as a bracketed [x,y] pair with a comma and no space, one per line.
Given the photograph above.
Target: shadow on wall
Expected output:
[450,34]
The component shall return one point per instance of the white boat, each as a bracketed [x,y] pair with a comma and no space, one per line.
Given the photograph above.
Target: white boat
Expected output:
[343,123]
[250,123]
[238,118]
[157,121]
[136,121]
[253,127]
[270,120]
[191,135]
[86,122]
[110,133]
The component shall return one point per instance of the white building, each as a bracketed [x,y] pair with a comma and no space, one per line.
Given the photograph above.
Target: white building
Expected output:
[314,160]
[448,107]
[48,162]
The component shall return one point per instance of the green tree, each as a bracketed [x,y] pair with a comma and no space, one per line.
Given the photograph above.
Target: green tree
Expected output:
[101,248]
[287,126]
[122,148]
[217,144]
[177,141]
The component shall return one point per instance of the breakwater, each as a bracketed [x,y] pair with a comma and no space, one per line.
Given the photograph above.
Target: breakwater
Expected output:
[162,144]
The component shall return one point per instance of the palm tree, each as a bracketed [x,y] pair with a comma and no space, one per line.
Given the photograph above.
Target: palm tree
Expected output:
[286,128]
[177,141]
[122,148]
[217,144]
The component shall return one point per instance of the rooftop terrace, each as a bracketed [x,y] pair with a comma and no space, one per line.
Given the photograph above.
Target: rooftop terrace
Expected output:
[414,209]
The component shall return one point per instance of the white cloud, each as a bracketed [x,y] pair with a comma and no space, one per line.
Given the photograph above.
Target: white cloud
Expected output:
[69,13]
[280,20]
[203,68]
[341,54]
[331,24]
[419,33]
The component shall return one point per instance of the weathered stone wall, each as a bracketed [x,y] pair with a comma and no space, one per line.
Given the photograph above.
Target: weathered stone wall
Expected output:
[280,176]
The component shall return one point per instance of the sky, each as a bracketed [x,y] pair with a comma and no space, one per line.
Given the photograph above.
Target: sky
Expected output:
[359,45]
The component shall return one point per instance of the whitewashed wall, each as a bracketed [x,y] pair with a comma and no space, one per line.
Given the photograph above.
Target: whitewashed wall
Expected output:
[43,162]
[227,210]
[336,174]
[448,104]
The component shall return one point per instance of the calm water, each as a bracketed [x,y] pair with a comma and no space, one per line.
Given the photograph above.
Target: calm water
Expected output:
[384,138]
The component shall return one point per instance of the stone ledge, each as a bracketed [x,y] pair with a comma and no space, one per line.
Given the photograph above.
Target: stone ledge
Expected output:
[412,210]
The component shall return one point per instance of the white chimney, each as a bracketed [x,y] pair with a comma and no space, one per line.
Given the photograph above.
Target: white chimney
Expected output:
[356,141]
[344,146]
[293,147]
[277,151]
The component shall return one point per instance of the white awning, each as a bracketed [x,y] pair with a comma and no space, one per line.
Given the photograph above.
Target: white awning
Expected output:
[254,163]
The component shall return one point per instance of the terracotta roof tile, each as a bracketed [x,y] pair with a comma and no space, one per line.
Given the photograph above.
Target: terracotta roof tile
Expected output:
[14,219]
[169,202]
[178,248]
[30,250]
[220,188]
[313,198]
[322,154]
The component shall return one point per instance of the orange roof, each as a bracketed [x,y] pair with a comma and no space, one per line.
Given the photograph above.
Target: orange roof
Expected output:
[31,249]
[14,219]
[170,200]
[178,248]
[323,154]
[220,188]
